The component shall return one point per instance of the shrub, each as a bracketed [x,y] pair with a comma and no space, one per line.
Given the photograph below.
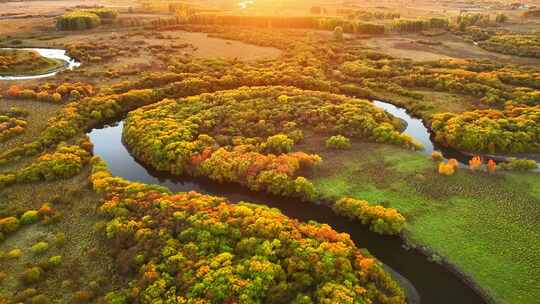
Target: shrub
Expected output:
[40,299]
[9,224]
[45,210]
[40,247]
[116,297]
[13,91]
[453,162]
[338,142]
[25,294]
[105,14]
[279,143]
[29,217]
[14,253]
[446,169]
[380,219]
[55,261]
[32,275]
[491,166]
[518,164]
[475,163]
[56,97]
[437,156]
[60,239]
[82,296]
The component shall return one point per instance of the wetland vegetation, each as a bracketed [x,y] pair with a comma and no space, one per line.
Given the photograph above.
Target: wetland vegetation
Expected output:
[224,106]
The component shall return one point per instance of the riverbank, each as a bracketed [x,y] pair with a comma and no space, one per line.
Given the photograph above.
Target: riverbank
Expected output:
[480,223]
[434,283]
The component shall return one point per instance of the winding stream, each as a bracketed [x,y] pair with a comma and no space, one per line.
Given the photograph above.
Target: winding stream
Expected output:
[69,63]
[424,281]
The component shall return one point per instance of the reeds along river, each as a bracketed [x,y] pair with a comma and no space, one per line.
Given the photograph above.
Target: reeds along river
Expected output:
[424,281]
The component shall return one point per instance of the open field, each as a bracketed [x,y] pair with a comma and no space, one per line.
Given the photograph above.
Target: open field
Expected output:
[469,219]
[281,110]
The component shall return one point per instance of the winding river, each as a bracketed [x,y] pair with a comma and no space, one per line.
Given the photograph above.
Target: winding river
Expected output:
[69,63]
[424,281]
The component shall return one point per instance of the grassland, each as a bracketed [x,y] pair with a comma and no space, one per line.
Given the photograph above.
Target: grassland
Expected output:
[482,224]
[86,264]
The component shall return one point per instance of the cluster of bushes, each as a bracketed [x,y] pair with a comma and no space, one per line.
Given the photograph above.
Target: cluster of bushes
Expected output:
[419,24]
[380,219]
[24,62]
[96,51]
[502,41]
[338,142]
[10,127]
[11,58]
[513,44]
[205,249]
[233,135]
[476,163]
[85,19]
[518,164]
[65,162]
[77,20]
[106,15]
[52,93]
[514,129]
[11,224]
[472,19]
[485,81]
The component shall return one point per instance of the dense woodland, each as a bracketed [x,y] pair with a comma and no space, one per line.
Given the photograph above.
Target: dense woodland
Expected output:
[516,128]
[190,247]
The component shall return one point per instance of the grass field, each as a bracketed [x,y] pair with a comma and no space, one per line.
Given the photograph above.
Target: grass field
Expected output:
[86,260]
[485,225]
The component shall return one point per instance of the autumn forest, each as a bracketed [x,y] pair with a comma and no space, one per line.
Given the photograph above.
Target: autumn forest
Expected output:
[163,151]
